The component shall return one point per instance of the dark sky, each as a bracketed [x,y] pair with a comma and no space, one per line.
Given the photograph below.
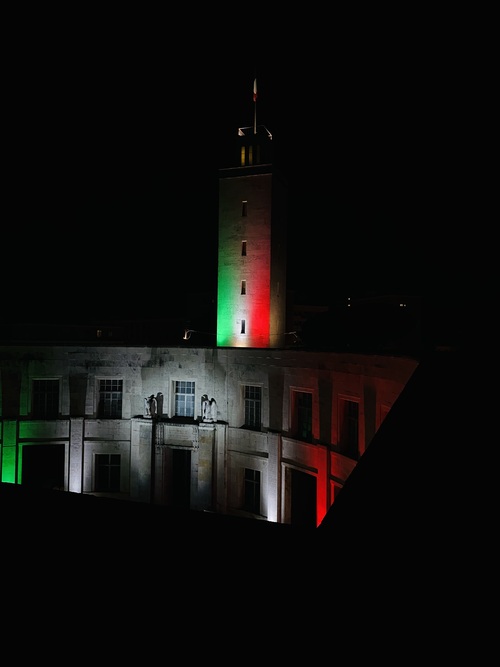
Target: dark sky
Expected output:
[114,138]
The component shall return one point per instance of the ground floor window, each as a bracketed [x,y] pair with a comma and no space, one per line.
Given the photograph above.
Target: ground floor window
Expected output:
[252,491]
[107,473]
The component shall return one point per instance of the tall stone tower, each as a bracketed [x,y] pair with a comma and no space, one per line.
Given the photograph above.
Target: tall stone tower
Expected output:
[251,279]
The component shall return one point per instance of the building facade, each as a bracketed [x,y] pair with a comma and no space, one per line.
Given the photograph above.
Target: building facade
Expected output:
[261,433]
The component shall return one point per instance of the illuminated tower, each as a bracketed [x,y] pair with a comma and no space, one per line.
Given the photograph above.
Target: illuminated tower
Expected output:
[251,283]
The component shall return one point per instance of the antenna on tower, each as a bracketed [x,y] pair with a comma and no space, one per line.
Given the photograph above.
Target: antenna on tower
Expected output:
[255,105]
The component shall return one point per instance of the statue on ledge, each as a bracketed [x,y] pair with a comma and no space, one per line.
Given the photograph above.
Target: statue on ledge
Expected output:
[150,406]
[208,409]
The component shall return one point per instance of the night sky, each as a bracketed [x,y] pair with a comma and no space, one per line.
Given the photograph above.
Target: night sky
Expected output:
[115,138]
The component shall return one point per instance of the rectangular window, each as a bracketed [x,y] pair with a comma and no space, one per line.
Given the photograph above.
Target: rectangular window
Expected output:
[349,428]
[302,417]
[184,399]
[252,491]
[243,248]
[384,411]
[336,490]
[244,205]
[243,286]
[110,399]
[107,473]
[45,399]
[253,403]
[243,326]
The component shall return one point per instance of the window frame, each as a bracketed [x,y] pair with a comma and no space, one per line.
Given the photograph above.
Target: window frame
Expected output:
[345,443]
[251,424]
[176,393]
[252,486]
[112,468]
[100,409]
[45,413]
[296,411]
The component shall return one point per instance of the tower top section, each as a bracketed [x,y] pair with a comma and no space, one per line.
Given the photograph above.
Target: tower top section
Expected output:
[260,129]
[251,147]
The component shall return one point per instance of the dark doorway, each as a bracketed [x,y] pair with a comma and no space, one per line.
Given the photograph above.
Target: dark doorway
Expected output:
[181,478]
[43,467]
[303,505]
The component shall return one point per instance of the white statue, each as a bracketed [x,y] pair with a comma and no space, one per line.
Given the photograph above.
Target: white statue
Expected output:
[205,408]
[208,409]
[159,403]
[150,406]
[213,410]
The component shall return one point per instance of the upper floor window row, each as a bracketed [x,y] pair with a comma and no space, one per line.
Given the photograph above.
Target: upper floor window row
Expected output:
[45,399]
[46,405]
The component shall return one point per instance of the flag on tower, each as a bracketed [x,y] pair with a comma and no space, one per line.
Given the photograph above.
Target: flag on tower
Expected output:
[255,90]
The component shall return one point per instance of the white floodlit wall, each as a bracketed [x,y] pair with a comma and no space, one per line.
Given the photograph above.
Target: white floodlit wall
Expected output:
[218,453]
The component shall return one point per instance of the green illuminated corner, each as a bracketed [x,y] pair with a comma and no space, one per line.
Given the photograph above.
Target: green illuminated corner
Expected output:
[9,452]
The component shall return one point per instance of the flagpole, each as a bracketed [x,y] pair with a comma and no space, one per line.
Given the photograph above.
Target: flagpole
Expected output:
[255,106]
